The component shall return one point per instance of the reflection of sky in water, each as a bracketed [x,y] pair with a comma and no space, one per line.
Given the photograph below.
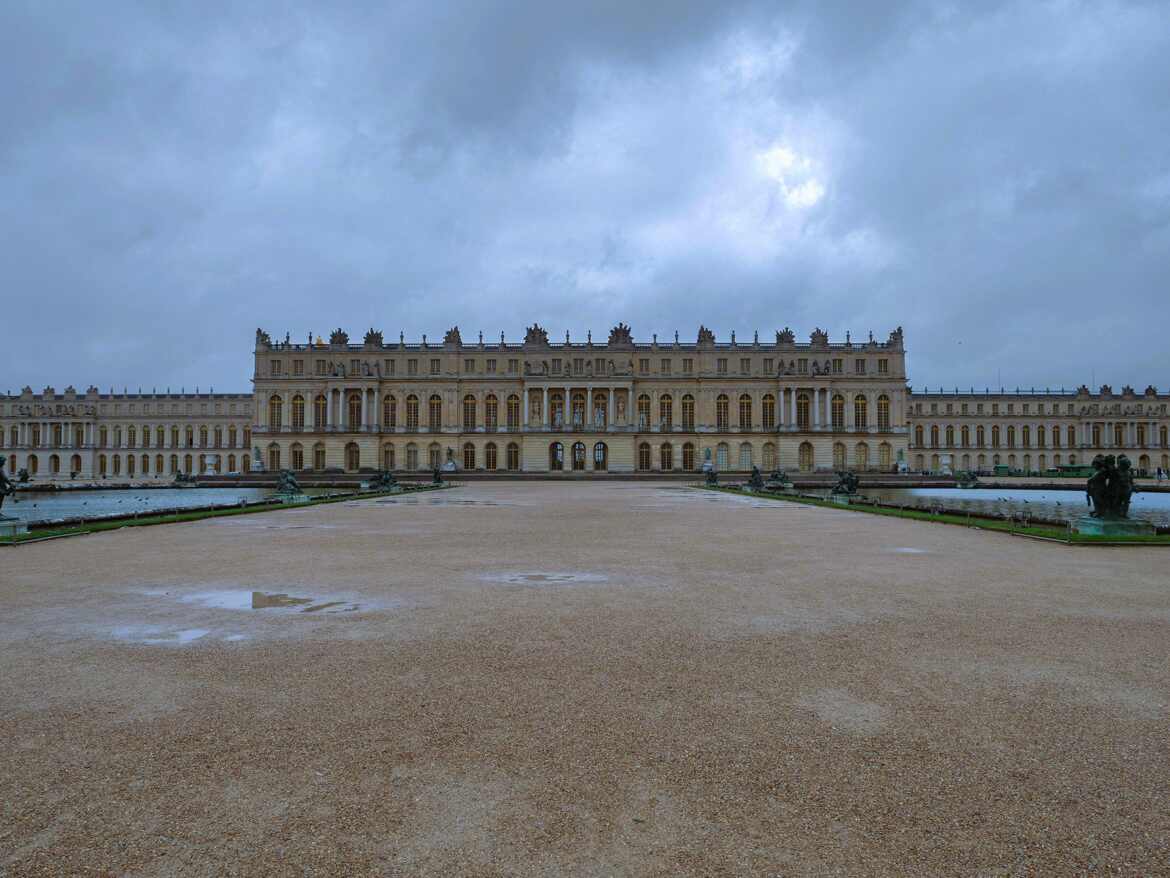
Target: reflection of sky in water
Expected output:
[1064,505]
[52,505]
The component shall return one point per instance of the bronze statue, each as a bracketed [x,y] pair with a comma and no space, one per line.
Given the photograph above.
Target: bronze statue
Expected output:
[1110,488]
[436,477]
[287,483]
[384,481]
[846,483]
[756,482]
[6,486]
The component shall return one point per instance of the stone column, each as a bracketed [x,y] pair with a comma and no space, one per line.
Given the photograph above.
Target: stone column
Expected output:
[816,408]
[544,410]
[609,411]
[792,411]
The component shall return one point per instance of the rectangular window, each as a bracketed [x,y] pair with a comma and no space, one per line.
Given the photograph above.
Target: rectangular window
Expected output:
[665,367]
[468,366]
[859,367]
[320,367]
[298,367]
[950,408]
[745,366]
[412,367]
[513,366]
[721,366]
[768,367]
[644,367]
[435,365]
[934,408]
[1011,408]
[556,364]
[1026,407]
[802,366]
[390,367]
[599,366]
[838,366]
[883,367]
[491,367]
[688,366]
[275,367]
[917,408]
[578,365]
[964,408]
[978,408]
[995,408]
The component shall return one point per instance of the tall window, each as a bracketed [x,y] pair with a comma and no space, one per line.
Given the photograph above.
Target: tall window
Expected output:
[275,411]
[769,456]
[388,456]
[995,436]
[965,435]
[190,437]
[435,413]
[644,413]
[883,413]
[320,416]
[934,435]
[721,456]
[688,456]
[298,414]
[513,456]
[411,457]
[745,411]
[950,436]
[353,456]
[468,456]
[578,409]
[745,456]
[666,412]
[354,410]
[721,412]
[412,414]
[837,411]
[219,436]
[838,455]
[489,456]
[556,409]
[202,437]
[802,411]
[1026,436]
[297,454]
[918,440]
[1011,437]
[688,412]
[491,414]
[389,412]
[131,435]
[1118,435]
[980,436]
[768,410]
[513,413]
[556,456]
[319,456]
[806,458]
[861,456]
[469,414]
[644,456]
[600,457]
[860,412]
[273,458]
[666,457]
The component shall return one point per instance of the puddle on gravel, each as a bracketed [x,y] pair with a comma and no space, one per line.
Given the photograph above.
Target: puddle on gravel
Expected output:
[907,550]
[241,599]
[160,636]
[539,579]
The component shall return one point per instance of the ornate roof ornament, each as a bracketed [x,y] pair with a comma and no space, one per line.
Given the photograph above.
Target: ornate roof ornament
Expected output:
[535,334]
[373,337]
[620,336]
[1128,392]
[786,336]
[819,338]
[262,338]
[1106,390]
[452,336]
[896,338]
[339,336]
[1151,390]
[706,336]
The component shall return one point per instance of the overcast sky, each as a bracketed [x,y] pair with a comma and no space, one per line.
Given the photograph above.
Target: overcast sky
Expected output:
[995,177]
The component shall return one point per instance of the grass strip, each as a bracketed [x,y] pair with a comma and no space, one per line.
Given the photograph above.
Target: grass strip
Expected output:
[1063,535]
[98,525]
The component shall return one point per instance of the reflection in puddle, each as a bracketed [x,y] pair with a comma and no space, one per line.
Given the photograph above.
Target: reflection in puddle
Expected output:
[240,599]
[907,550]
[537,579]
[159,636]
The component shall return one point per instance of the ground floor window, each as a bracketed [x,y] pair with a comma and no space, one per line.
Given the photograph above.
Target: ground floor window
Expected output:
[54,464]
[644,456]
[769,457]
[666,457]
[578,455]
[388,457]
[297,455]
[434,455]
[273,458]
[745,456]
[117,465]
[468,456]
[721,456]
[353,456]
[806,457]
[886,456]
[489,457]
[513,457]
[600,456]
[412,456]
[556,456]
[838,455]
[231,463]
[318,456]
[33,464]
[688,460]
[861,456]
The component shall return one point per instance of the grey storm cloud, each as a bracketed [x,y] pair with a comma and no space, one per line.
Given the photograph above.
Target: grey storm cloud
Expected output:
[995,177]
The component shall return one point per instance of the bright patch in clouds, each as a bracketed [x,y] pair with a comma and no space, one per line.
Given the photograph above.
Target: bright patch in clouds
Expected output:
[794,173]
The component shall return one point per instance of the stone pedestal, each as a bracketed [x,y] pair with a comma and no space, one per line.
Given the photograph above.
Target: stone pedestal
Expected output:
[842,499]
[294,498]
[11,527]
[1112,527]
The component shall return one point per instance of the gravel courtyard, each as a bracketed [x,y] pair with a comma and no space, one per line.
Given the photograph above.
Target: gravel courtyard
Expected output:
[613,678]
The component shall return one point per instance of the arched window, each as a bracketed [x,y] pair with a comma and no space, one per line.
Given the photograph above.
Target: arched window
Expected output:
[489,457]
[173,467]
[600,411]
[1011,437]
[918,440]
[1096,435]
[666,412]
[319,456]
[838,455]
[980,437]
[578,455]
[806,458]
[837,411]
[556,456]
[55,464]
[966,462]
[934,463]
[644,456]
[745,411]
[556,409]
[513,413]
[320,411]
[160,436]
[189,437]
[1026,436]
[130,465]
[884,413]
[412,456]
[950,436]
[353,410]
[860,411]
[298,412]
[600,456]
[745,455]
[145,437]
[965,435]
[491,413]
[1041,437]
[412,414]
[131,435]
[160,464]
[688,460]
[275,411]
[231,463]
[644,413]
[273,458]
[768,412]
[666,457]
[388,456]
[513,462]
[578,409]
[469,413]
[861,456]
[468,456]
[353,457]
[389,412]
[886,456]
[104,437]
[296,455]
[934,435]
[722,417]
[722,453]
[802,411]
[1118,435]
[768,460]
[219,437]
[435,413]
[434,455]
[1144,464]
[202,437]
[688,413]
[33,464]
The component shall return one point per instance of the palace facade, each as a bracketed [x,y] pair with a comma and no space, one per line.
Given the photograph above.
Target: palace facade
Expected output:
[124,435]
[618,406]
[542,406]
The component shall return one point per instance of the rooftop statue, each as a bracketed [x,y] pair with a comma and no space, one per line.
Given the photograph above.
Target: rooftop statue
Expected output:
[620,335]
[535,334]
[373,337]
[453,337]
[706,336]
[262,338]
[786,336]
[339,336]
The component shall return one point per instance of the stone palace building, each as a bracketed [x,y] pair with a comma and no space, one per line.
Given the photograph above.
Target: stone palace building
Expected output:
[576,406]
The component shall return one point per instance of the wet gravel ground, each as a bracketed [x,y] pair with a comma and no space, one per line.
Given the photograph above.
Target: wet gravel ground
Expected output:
[581,679]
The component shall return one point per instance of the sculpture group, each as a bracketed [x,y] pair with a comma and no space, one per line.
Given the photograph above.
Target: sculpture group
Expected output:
[6,486]
[1110,487]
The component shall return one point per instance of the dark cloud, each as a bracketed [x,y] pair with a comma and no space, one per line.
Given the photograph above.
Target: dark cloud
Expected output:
[993,176]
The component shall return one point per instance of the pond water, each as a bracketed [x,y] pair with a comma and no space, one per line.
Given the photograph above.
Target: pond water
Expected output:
[1062,505]
[55,505]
